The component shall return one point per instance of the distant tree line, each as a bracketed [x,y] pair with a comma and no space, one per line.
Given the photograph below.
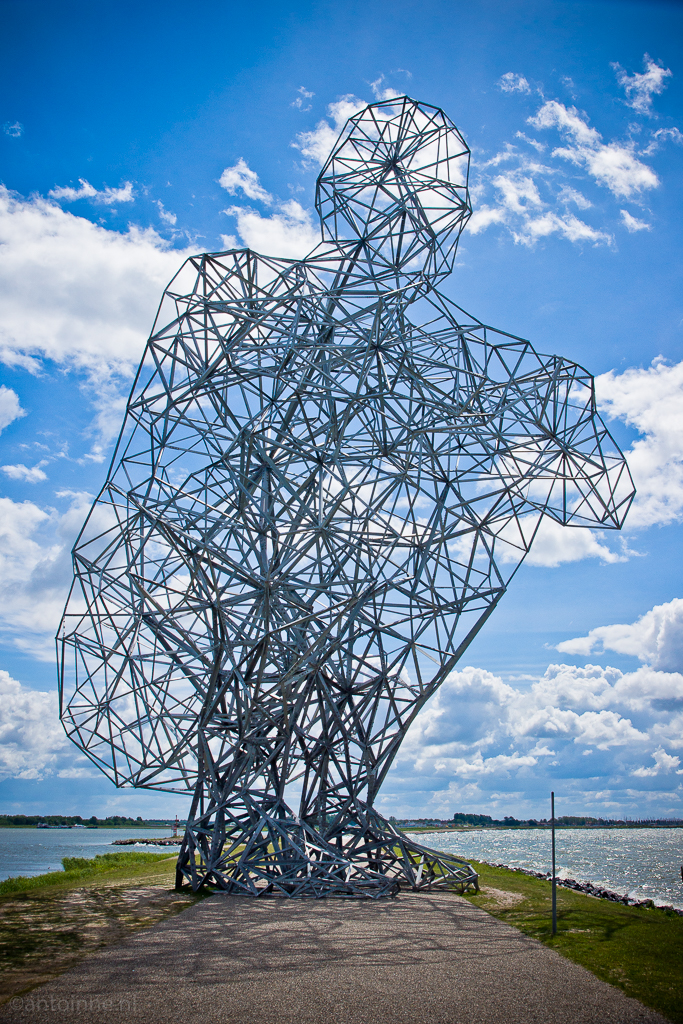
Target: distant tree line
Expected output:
[566,821]
[112,821]
[486,819]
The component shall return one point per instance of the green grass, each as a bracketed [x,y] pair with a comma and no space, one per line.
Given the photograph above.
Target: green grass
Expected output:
[638,949]
[85,869]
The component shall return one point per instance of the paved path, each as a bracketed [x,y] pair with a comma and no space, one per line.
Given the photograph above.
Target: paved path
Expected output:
[421,958]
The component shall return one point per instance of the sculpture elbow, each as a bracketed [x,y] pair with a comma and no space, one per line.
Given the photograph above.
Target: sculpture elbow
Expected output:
[591,492]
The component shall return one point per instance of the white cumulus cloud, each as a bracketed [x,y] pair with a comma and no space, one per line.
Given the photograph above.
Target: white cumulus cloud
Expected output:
[518,193]
[166,215]
[555,544]
[33,743]
[10,409]
[612,164]
[651,401]
[656,638]
[632,223]
[483,216]
[108,196]
[538,146]
[381,91]
[640,88]
[300,101]
[535,201]
[75,292]
[663,763]
[528,215]
[242,178]
[566,225]
[290,232]
[493,743]
[31,475]
[510,82]
[660,137]
[317,144]
[569,195]
[35,570]
[601,729]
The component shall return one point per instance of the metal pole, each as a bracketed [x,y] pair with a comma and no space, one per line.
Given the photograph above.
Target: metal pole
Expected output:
[552,819]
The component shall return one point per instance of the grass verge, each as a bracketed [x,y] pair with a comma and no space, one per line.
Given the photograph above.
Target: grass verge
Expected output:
[49,923]
[638,949]
[81,869]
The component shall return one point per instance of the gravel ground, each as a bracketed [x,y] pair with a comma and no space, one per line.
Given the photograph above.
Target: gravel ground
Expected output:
[420,958]
[48,931]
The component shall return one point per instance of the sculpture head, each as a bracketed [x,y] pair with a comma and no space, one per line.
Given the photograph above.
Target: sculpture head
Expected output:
[397,181]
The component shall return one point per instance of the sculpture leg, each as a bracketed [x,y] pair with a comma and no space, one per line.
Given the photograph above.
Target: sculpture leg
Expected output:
[254,846]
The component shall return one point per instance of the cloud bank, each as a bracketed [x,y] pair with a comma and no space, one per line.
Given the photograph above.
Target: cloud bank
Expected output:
[74,292]
[484,744]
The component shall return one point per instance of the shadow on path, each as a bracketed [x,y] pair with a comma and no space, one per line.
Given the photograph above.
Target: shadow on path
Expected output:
[420,958]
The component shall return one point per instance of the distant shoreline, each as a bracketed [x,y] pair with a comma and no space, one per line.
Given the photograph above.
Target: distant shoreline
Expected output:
[532,828]
[88,828]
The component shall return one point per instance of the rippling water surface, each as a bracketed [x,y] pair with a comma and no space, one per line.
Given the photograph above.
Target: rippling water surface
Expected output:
[34,851]
[644,862]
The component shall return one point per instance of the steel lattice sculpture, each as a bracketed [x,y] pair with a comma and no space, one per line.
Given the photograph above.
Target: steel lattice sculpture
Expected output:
[326,477]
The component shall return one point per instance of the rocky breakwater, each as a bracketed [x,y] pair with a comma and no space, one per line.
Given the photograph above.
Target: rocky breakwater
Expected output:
[593,890]
[170,841]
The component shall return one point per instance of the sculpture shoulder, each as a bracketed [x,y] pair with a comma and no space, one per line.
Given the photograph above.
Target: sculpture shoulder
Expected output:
[496,354]
[234,273]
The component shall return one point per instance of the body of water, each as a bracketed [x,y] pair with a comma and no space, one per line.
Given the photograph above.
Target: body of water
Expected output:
[34,851]
[643,862]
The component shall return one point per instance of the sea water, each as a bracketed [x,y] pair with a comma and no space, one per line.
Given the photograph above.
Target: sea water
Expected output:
[35,851]
[646,863]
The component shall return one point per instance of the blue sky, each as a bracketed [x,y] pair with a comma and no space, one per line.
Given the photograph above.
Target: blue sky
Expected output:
[119,123]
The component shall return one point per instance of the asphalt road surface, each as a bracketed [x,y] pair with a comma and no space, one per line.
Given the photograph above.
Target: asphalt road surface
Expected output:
[420,958]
